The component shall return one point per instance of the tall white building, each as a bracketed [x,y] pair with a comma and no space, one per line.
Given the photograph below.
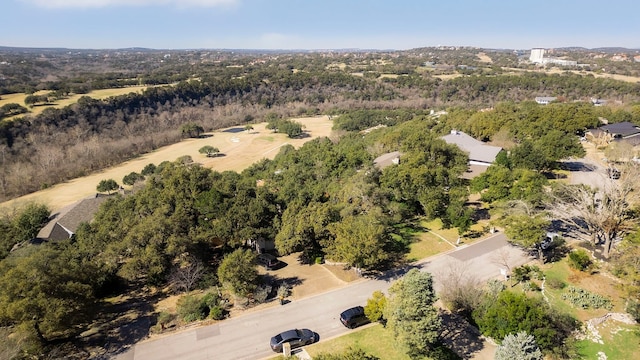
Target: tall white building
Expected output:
[537,54]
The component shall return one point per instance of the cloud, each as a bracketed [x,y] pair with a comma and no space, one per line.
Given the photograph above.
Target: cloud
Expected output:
[109,3]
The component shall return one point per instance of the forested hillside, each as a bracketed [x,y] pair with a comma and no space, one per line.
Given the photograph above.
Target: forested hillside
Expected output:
[325,200]
[60,144]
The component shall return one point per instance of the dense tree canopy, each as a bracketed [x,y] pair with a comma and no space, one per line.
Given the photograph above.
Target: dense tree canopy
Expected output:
[411,315]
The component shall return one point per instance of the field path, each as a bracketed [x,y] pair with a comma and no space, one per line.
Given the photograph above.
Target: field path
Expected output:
[239,149]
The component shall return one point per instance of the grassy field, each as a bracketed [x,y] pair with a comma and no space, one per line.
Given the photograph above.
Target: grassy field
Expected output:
[617,341]
[373,339]
[18,98]
[239,148]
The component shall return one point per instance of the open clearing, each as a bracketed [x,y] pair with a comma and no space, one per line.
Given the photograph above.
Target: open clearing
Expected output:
[18,98]
[238,148]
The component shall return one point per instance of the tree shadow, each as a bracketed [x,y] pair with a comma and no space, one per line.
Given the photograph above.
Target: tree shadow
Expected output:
[460,336]
[121,325]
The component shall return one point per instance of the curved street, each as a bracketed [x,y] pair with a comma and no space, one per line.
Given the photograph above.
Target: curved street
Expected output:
[247,336]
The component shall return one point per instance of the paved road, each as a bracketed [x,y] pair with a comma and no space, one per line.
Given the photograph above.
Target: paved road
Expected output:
[247,336]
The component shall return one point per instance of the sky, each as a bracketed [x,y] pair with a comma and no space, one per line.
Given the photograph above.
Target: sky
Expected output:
[319,24]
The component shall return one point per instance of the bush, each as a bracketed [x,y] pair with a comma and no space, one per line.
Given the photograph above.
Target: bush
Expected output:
[217,313]
[580,260]
[262,293]
[375,306]
[556,284]
[585,300]
[633,309]
[190,308]
[530,286]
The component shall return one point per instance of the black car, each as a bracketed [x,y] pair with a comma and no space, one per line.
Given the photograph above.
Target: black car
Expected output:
[268,261]
[354,317]
[295,337]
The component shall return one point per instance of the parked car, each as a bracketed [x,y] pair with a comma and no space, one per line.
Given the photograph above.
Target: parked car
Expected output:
[295,338]
[268,261]
[354,317]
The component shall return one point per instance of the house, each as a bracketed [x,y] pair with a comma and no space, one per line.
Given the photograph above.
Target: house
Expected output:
[64,224]
[384,160]
[544,100]
[481,155]
[622,130]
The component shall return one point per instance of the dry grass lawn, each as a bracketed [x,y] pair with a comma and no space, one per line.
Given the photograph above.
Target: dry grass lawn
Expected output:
[18,98]
[239,149]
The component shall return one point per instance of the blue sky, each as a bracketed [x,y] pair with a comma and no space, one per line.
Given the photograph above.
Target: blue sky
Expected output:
[319,24]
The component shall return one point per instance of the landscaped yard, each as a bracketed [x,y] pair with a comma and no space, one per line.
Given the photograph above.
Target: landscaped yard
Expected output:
[373,339]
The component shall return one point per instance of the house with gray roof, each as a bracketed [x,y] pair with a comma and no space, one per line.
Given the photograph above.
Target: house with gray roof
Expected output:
[63,224]
[384,160]
[481,155]
[624,132]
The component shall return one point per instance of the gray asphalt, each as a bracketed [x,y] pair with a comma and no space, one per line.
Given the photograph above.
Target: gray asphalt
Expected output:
[247,336]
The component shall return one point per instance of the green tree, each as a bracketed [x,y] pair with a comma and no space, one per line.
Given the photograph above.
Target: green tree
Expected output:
[359,241]
[209,151]
[248,128]
[527,231]
[132,178]
[238,272]
[520,346]
[512,312]
[411,315]
[48,290]
[191,130]
[376,304]
[148,170]
[107,186]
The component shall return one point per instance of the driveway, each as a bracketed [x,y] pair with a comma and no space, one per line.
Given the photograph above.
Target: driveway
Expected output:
[246,336]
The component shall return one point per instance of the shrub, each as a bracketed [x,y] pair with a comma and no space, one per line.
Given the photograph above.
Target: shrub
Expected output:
[262,293]
[530,286]
[556,284]
[585,300]
[375,306]
[164,318]
[217,313]
[580,260]
[633,309]
[190,308]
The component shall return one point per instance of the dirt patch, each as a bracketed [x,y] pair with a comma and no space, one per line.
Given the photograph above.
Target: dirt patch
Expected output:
[239,149]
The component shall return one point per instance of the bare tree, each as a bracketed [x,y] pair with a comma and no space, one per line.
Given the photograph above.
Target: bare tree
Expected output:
[461,291]
[185,278]
[599,216]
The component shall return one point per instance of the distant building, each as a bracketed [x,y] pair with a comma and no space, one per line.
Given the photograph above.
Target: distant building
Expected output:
[481,155]
[544,100]
[537,54]
[537,57]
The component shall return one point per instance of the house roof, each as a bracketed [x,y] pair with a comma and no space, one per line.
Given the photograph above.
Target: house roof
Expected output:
[67,220]
[478,151]
[623,129]
[387,159]
[633,140]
